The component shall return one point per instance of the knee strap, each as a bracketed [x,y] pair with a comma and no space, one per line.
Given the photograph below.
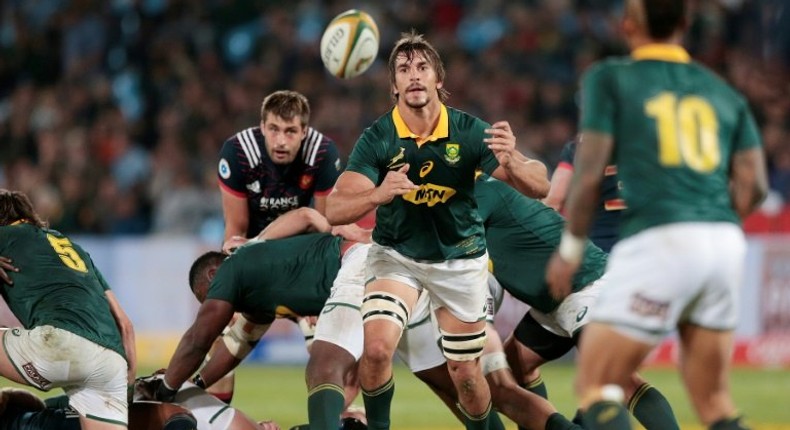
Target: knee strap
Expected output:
[382,305]
[463,347]
[493,361]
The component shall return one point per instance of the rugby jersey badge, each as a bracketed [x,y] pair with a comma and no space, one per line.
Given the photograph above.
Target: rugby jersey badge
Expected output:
[452,152]
[305,181]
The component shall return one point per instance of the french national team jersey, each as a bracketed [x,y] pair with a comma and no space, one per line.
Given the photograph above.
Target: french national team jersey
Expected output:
[288,277]
[439,221]
[675,126]
[245,170]
[522,234]
[606,224]
[57,285]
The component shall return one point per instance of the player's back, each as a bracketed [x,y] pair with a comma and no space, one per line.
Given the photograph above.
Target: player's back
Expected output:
[675,126]
[56,285]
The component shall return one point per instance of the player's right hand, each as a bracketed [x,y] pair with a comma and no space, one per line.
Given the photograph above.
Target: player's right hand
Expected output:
[155,389]
[396,183]
[232,243]
[5,267]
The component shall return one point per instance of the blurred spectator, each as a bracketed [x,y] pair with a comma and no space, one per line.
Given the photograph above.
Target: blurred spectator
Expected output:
[112,113]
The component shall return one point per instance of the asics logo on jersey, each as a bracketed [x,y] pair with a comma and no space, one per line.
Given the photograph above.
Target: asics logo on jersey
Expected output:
[429,194]
[397,161]
[426,168]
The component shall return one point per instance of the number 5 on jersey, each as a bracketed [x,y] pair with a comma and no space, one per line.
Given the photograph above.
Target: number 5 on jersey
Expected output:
[68,255]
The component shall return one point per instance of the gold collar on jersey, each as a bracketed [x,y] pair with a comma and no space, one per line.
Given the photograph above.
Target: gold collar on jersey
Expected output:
[661,52]
[442,129]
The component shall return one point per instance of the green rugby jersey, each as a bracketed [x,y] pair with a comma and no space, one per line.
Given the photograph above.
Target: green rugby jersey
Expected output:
[675,127]
[521,235]
[440,220]
[57,284]
[281,278]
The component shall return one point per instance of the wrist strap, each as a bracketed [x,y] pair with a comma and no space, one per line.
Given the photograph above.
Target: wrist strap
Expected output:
[198,380]
[571,247]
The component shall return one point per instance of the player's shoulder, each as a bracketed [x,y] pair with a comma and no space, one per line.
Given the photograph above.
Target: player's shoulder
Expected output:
[247,136]
[464,121]
[717,82]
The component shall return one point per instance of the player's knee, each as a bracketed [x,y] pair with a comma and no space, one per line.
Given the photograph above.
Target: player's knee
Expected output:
[381,305]
[378,350]
[463,347]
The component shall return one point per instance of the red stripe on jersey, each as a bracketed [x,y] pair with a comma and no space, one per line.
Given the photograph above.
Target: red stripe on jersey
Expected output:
[231,190]
[565,165]
[610,170]
[614,205]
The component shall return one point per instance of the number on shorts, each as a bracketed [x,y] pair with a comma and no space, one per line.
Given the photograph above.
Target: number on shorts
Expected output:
[687,131]
[68,255]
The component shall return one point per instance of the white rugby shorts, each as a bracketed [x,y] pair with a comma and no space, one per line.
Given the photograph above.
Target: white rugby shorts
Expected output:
[93,377]
[460,285]
[573,313]
[673,274]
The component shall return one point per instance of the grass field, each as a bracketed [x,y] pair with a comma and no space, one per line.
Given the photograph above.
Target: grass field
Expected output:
[279,393]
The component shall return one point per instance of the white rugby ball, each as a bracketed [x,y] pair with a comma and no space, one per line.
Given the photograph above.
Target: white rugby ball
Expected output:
[350,44]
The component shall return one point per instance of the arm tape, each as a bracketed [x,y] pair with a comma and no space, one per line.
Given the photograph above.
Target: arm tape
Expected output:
[243,336]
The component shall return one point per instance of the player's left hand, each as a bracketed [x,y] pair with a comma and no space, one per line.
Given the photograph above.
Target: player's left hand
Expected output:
[559,276]
[502,142]
[352,232]
[5,267]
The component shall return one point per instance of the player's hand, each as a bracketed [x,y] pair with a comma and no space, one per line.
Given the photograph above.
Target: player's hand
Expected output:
[5,267]
[501,141]
[155,389]
[268,425]
[396,183]
[352,232]
[559,276]
[232,243]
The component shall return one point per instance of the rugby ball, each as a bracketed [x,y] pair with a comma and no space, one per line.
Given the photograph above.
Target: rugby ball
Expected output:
[349,44]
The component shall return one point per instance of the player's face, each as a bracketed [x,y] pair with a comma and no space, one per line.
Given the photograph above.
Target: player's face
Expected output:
[283,138]
[416,83]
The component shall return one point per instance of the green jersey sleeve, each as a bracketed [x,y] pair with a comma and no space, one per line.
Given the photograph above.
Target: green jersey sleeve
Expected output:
[364,157]
[598,100]
[746,134]
[488,161]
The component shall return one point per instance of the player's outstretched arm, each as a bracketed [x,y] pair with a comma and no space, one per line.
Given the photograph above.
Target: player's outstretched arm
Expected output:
[127,334]
[211,319]
[297,221]
[354,195]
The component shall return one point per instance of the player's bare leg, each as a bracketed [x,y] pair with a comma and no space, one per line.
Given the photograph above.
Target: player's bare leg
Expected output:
[602,373]
[325,376]
[474,396]
[384,313]
[705,366]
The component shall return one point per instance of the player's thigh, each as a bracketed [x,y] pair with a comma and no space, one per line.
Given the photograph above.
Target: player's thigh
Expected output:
[419,347]
[340,322]
[461,287]
[716,307]
[7,367]
[651,279]
[535,344]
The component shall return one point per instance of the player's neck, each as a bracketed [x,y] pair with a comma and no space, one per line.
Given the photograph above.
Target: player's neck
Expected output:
[421,121]
[640,40]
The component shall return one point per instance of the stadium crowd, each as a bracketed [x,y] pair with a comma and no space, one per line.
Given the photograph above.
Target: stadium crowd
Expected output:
[112,114]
